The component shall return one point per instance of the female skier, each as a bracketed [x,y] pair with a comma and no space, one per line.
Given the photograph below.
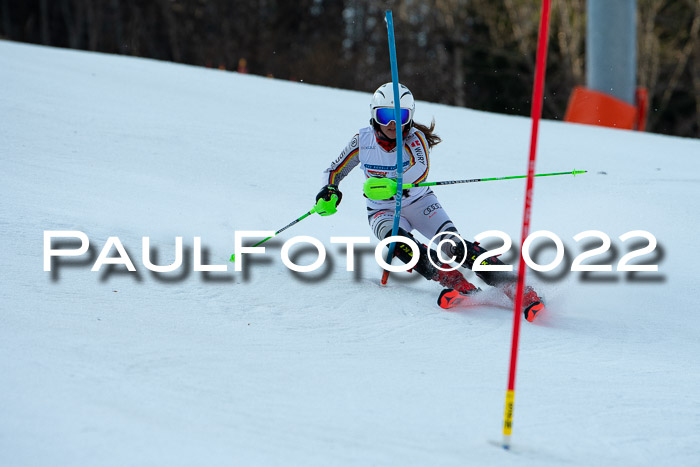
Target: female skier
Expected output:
[374,147]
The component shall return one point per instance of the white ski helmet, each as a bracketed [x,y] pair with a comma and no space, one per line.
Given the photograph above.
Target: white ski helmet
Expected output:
[383,98]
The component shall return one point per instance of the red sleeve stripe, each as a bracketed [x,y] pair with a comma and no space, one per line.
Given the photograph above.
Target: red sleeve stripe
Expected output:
[425,151]
[423,177]
[423,142]
[342,166]
[407,150]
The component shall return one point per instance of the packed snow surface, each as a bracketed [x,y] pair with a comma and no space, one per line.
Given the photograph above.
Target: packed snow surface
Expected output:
[271,367]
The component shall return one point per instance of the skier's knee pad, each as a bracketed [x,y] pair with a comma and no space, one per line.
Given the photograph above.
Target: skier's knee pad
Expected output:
[473,251]
[449,241]
[403,251]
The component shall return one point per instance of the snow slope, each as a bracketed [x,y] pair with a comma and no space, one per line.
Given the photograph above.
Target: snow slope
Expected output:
[271,367]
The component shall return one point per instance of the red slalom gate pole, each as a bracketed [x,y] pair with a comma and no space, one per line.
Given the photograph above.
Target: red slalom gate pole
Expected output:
[536,112]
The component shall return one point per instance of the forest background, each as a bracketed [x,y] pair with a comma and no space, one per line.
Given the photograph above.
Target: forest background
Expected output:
[473,53]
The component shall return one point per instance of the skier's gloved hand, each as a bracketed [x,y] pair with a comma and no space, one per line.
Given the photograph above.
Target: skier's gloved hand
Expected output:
[327,200]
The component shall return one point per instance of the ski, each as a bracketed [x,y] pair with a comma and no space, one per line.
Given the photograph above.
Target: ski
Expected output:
[532,310]
[450,299]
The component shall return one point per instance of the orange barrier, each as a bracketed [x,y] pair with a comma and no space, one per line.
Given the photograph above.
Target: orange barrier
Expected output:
[596,108]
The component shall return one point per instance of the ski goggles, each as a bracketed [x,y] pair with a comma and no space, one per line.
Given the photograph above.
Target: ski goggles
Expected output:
[385,115]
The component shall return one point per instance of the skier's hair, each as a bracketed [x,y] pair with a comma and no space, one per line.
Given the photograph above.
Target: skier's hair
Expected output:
[432,138]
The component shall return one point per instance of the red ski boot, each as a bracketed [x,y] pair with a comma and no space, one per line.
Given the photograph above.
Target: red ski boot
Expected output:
[455,280]
[532,303]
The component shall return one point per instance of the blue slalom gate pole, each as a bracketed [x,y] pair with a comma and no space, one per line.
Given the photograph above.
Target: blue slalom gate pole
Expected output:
[399,140]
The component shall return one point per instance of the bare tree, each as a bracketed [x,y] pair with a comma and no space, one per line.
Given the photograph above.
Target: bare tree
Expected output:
[475,53]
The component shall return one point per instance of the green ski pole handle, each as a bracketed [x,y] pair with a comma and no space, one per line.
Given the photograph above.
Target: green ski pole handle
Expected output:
[384,188]
[313,210]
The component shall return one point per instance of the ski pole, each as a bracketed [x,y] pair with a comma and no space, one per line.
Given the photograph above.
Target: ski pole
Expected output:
[313,210]
[452,182]
[379,188]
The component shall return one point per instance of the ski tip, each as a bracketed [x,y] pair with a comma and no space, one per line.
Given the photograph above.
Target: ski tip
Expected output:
[533,310]
[233,258]
[447,298]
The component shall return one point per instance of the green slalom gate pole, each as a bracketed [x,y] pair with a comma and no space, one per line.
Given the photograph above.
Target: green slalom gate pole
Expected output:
[313,210]
[385,188]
